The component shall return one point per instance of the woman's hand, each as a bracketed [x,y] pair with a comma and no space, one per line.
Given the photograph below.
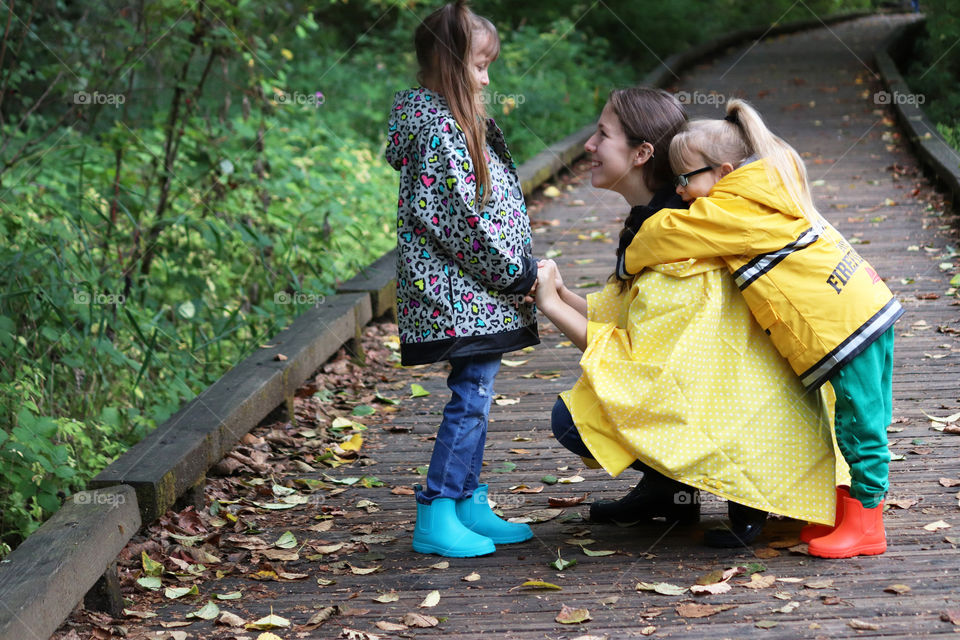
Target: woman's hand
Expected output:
[548,278]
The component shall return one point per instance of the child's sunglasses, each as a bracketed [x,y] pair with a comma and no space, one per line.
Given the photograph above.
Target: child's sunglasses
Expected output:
[683,179]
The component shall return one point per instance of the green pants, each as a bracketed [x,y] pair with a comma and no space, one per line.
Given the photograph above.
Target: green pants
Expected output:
[863,412]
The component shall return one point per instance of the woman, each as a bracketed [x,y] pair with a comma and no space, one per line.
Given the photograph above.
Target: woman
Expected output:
[678,379]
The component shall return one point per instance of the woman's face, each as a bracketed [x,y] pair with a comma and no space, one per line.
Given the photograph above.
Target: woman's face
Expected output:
[612,156]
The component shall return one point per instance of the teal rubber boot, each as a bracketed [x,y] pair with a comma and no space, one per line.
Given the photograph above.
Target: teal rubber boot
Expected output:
[476,514]
[439,531]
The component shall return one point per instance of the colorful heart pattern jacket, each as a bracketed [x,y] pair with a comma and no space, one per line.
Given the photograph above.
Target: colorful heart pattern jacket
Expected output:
[462,270]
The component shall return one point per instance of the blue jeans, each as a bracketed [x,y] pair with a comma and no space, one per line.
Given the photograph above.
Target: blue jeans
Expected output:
[458,451]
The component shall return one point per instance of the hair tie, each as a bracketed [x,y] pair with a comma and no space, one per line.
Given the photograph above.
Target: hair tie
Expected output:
[732,117]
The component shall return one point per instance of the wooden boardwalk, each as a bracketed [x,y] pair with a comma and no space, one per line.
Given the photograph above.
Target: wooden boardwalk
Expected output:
[816,89]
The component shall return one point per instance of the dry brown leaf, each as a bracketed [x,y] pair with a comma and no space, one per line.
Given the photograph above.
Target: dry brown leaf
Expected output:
[648,631]
[566,502]
[897,588]
[935,526]
[900,503]
[758,581]
[420,620]
[713,589]
[821,583]
[694,610]
[951,615]
[569,615]
[766,553]
[231,619]
[785,543]
[432,599]
[862,624]
[390,626]
[949,482]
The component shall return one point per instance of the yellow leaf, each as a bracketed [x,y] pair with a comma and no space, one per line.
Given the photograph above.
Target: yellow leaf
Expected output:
[286,53]
[353,443]
[432,599]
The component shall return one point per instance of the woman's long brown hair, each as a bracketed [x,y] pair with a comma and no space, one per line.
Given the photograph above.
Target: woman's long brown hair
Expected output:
[443,42]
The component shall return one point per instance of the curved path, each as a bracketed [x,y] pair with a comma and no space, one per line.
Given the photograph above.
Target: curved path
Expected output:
[817,90]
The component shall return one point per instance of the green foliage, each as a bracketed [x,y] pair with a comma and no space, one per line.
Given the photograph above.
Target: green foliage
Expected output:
[933,71]
[178,180]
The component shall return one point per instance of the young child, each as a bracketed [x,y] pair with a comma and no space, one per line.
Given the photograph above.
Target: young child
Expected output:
[463,266]
[825,308]
[678,379]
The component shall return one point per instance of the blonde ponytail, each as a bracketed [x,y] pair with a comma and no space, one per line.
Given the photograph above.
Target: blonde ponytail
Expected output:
[735,139]
[784,163]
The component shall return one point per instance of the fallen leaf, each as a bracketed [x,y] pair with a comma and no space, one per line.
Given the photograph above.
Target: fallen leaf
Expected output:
[934,526]
[760,582]
[566,502]
[539,515]
[861,624]
[443,564]
[897,588]
[570,480]
[951,615]
[387,597]
[766,624]
[140,615]
[420,620]
[150,582]
[596,554]
[569,615]
[949,482]
[823,583]
[390,626]
[269,622]
[766,553]
[560,564]
[230,619]
[513,363]
[471,577]
[713,589]
[647,631]
[178,592]
[694,610]
[790,607]
[417,391]
[432,600]
[538,584]
[363,571]
[785,543]
[208,611]
[900,503]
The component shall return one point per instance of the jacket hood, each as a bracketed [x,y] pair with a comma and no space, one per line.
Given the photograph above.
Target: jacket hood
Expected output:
[412,109]
[753,182]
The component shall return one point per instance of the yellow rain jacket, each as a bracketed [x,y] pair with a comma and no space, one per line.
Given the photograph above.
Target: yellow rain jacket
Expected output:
[677,374]
[820,302]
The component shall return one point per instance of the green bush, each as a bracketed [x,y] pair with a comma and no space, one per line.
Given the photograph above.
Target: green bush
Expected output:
[933,70]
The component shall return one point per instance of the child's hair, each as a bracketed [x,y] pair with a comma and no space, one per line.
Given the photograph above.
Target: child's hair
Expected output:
[443,42]
[734,139]
[652,115]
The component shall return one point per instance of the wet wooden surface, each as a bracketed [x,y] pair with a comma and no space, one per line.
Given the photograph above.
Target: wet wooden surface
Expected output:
[816,89]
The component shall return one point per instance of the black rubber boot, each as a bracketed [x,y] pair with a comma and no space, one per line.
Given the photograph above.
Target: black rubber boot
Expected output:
[746,523]
[655,496]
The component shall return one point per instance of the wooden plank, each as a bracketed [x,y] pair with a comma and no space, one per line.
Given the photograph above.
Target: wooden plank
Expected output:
[42,580]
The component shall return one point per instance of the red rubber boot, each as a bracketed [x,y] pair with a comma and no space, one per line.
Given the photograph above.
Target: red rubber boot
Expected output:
[812,531]
[859,533]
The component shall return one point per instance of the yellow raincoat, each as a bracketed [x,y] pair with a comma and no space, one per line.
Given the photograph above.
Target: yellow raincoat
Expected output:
[678,375]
